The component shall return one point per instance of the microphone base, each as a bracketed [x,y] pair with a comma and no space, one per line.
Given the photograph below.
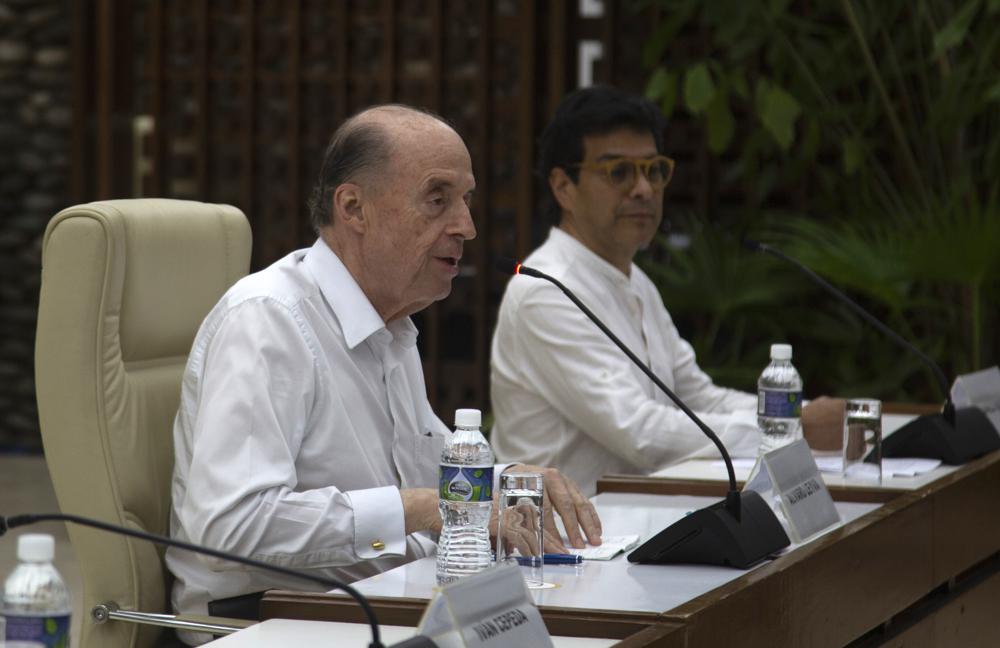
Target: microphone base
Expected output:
[713,536]
[932,437]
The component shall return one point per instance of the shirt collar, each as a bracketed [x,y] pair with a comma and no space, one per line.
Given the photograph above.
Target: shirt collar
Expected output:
[358,318]
[580,252]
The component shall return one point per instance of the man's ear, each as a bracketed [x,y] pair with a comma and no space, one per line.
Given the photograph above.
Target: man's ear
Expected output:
[563,188]
[348,202]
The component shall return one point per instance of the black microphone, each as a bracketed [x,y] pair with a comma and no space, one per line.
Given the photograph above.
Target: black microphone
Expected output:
[953,436]
[13,521]
[739,531]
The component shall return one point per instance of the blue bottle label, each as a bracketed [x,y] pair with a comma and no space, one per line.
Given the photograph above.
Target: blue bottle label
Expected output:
[47,631]
[466,483]
[780,404]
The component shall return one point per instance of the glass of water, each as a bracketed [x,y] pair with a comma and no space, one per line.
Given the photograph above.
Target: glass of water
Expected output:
[863,439]
[520,538]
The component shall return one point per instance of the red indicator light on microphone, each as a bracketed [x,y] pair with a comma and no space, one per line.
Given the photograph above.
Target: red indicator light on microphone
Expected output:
[517,269]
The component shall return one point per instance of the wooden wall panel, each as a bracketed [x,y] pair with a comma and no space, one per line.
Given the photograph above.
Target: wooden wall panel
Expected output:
[243,96]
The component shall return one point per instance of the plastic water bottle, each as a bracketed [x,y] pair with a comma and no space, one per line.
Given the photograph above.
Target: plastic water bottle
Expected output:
[779,400]
[35,609]
[466,499]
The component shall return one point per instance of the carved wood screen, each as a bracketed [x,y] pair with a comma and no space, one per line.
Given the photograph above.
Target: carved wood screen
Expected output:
[234,100]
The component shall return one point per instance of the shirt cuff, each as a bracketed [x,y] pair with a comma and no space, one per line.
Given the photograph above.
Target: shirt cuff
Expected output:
[742,436]
[379,525]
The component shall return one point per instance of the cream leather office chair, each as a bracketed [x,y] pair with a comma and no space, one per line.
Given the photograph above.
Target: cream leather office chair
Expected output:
[125,285]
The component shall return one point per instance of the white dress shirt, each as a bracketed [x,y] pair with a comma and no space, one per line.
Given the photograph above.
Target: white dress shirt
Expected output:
[302,415]
[565,396]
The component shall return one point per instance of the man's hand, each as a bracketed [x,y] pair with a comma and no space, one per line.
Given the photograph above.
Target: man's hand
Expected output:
[520,529]
[576,511]
[420,510]
[823,423]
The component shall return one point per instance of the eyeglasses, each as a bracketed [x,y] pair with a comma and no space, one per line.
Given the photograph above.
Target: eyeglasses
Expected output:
[622,172]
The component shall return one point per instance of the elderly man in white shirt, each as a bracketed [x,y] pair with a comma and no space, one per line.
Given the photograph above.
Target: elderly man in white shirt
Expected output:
[563,394]
[304,436]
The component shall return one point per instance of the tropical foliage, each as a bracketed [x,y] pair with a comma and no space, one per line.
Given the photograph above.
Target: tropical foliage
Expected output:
[885,115]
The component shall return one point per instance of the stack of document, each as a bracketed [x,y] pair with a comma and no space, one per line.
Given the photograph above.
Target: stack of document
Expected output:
[610,547]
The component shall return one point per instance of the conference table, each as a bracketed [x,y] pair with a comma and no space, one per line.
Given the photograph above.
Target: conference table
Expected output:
[915,562]
[274,633]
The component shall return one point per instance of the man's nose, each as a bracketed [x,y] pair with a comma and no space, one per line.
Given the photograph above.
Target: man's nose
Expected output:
[641,188]
[464,226]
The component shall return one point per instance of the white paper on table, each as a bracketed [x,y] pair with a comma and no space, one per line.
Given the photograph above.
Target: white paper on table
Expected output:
[610,547]
[894,467]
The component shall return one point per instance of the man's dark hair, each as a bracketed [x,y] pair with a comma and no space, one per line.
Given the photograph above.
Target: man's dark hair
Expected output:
[353,149]
[597,110]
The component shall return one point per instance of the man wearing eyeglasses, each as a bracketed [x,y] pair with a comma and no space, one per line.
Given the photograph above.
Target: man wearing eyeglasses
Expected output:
[563,394]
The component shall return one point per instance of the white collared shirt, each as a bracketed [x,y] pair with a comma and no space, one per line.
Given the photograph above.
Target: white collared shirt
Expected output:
[302,415]
[565,396]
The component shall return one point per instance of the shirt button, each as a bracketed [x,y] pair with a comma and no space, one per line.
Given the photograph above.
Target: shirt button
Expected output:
[378,545]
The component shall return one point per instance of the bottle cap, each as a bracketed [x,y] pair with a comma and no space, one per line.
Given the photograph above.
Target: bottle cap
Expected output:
[781,351]
[468,418]
[36,547]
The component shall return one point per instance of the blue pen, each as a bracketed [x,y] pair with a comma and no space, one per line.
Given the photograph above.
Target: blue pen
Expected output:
[553,559]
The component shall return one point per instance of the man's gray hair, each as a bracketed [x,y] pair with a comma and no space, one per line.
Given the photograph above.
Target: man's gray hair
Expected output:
[361,145]
[354,149]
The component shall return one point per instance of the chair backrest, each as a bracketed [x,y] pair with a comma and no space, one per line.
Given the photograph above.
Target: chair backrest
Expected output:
[125,286]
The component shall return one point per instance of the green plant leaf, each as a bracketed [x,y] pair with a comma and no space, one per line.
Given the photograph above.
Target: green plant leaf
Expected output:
[956,241]
[853,155]
[669,101]
[993,93]
[719,123]
[657,84]
[777,111]
[954,32]
[652,49]
[738,82]
[662,87]
[699,89]
[811,140]
[849,109]
[866,256]
[779,7]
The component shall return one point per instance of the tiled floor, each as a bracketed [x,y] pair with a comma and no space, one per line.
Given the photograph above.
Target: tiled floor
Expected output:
[25,487]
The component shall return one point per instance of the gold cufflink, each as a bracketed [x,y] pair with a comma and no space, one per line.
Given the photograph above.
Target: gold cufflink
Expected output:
[378,545]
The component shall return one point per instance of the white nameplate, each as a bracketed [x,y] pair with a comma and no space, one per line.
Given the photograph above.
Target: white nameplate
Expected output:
[979,389]
[790,473]
[492,609]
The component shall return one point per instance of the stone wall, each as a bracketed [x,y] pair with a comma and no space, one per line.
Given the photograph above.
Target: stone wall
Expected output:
[35,121]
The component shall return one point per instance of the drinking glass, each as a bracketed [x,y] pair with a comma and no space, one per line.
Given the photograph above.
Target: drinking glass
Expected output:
[520,538]
[862,448]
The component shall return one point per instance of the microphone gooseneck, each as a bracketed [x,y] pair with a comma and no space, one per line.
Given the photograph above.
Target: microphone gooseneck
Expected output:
[949,407]
[510,266]
[12,521]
